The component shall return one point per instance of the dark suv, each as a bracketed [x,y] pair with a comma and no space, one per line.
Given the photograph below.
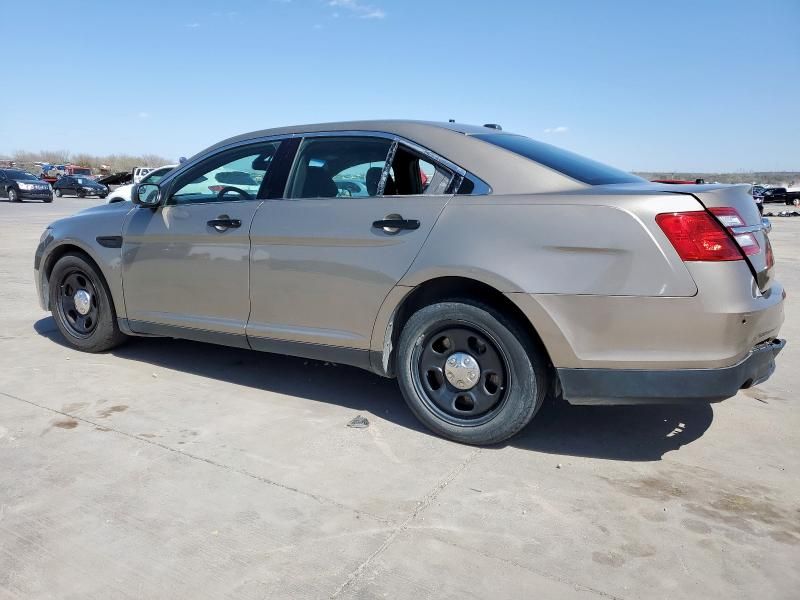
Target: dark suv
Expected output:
[18,185]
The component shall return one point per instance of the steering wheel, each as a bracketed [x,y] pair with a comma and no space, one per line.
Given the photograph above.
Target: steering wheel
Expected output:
[230,188]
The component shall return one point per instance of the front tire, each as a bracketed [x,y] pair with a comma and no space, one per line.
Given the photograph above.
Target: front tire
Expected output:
[469,373]
[13,195]
[81,305]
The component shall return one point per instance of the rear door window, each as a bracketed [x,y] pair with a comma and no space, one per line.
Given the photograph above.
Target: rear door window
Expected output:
[337,167]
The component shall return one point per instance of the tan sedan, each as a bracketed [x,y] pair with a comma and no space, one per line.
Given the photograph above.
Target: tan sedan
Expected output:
[484,270]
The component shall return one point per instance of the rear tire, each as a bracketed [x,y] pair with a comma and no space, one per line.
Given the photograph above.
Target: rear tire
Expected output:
[58,193]
[96,329]
[510,381]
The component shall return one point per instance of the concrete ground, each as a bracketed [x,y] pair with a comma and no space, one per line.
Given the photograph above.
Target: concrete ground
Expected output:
[171,469]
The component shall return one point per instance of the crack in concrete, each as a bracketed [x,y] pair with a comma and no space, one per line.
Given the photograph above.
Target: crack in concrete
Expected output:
[421,506]
[105,427]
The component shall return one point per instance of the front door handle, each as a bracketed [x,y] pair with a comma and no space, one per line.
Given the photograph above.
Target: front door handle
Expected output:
[224,222]
[394,223]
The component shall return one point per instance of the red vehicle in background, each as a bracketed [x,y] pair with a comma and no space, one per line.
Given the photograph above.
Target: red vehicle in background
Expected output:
[52,173]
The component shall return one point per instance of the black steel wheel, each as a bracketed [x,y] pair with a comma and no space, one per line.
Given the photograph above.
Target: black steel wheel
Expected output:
[77,303]
[81,304]
[462,373]
[470,373]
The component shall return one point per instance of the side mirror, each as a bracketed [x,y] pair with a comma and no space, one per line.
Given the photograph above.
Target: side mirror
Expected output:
[146,194]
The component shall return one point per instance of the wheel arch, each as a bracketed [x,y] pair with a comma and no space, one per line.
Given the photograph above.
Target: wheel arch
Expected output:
[404,301]
[73,247]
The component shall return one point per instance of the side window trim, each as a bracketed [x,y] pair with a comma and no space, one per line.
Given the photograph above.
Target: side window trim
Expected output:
[386,168]
[278,175]
[480,187]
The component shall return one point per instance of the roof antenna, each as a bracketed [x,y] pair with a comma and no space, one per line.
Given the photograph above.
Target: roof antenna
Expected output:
[451,120]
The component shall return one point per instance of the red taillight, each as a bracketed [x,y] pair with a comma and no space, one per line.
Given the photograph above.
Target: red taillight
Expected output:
[216,188]
[731,219]
[697,236]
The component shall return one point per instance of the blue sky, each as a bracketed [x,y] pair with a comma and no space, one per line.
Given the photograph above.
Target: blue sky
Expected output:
[684,85]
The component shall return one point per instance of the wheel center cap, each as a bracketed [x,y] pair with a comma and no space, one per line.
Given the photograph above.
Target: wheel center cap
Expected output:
[462,370]
[83,301]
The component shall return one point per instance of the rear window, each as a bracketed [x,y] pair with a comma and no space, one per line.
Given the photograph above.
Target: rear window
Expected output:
[566,162]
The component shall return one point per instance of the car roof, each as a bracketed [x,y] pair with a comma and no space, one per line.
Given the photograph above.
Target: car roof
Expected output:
[503,171]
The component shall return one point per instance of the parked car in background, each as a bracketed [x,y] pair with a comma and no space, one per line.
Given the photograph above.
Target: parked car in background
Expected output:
[479,290]
[123,193]
[17,185]
[79,186]
[140,173]
[52,173]
[781,194]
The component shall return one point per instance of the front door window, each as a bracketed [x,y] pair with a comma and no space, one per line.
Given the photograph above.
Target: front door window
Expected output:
[230,176]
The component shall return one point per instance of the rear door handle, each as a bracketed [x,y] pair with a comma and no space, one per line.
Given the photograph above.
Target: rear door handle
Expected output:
[393,225]
[224,222]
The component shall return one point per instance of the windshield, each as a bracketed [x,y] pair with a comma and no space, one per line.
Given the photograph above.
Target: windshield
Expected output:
[566,162]
[22,175]
[157,175]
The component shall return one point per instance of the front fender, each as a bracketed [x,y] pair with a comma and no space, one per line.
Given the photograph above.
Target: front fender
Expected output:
[81,232]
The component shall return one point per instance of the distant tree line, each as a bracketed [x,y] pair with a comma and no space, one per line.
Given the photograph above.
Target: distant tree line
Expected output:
[113,162]
[774,178]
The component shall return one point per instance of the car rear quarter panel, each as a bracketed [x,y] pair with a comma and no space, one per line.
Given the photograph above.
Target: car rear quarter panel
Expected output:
[558,244]
[599,280]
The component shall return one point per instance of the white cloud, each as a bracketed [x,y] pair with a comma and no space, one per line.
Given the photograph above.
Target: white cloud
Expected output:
[559,129]
[317,26]
[362,11]
[144,115]
[192,25]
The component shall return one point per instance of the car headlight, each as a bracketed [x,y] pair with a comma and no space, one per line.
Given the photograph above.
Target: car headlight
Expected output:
[25,186]
[87,188]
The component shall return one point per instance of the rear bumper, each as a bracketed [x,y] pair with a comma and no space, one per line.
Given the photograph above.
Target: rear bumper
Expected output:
[634,386]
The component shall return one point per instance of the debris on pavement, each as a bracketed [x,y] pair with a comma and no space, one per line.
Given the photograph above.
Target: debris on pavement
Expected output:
[358,422]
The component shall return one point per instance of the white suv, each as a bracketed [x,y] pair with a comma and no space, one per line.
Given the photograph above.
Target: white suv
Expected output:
[123,192]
